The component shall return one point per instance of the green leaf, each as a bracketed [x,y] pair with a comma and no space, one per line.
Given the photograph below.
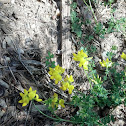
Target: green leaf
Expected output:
[49,54]
[47,57]
[125,101]
[105,78]
[53,64]
[106,120]
[74,5]
[79,33]
[114,48]
[47,63]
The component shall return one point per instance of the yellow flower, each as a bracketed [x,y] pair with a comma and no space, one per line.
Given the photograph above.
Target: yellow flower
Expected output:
[106,63]
[83,58]
[54,100]
[123,56]
[61,102]
[70,89]
[55,96]
[25,101]
[69,79]
[65,85]
[31,94]
[37,98]
[56,73]
[28,96]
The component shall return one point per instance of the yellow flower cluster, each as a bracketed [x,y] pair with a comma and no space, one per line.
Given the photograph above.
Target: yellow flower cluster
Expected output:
[66,84]
[83,58]
[55,101]
[56,73]
[28,96]
[123,56]
[106,63]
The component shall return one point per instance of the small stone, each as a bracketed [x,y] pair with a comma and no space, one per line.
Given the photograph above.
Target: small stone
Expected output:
[57,12]
[20,51]
[12,1]
[4,44]
[7,59]
[9,41]
[3,103]
[2,112]
[104,55]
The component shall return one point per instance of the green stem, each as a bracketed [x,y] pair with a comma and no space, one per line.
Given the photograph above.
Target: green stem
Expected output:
[56,119]
[88,79]
[90,8]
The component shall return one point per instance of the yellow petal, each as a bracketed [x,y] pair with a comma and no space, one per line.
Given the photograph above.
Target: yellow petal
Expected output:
[25,92]
[21,94]
[37,98]
[123,56]
[31,95]
[56,81]
[71,87]
[30,89]
[71,79]
[55,95]
[21,101]
[61,102]
[52,77]
[74,54]
[85,67]
[24,104]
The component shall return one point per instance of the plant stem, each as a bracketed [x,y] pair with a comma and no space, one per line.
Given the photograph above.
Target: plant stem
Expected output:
[90,8]
[56,119]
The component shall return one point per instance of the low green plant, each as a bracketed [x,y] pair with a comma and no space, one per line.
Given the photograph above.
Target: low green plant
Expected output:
[49,62]
[75,21]
[107,90]
[97,98]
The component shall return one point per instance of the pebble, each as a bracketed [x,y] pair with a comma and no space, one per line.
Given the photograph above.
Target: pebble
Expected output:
[3,103]
[2,112]
[104,55]
[4,44]
[20,51]
[9,41]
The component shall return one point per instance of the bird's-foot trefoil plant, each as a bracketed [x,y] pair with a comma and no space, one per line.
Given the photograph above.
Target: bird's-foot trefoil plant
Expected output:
[95,100]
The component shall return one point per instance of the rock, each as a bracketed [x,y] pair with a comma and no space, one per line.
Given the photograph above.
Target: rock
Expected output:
[9,41]
[104,55]
[20,51]
[4,44]
[7,59]
[2,112]
[3,103]
[5,1]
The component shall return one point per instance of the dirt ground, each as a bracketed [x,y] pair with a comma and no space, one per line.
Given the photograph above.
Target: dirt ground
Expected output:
[28,30]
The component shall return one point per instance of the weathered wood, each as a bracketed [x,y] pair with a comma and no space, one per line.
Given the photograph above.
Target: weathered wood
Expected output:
[5,1]
[66,43]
